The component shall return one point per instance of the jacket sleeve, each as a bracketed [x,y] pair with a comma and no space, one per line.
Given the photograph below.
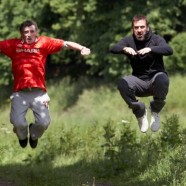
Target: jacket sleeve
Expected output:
[118,47]
[161,47]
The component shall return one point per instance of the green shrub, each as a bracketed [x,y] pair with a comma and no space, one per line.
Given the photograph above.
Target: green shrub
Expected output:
[176,62]
[170,135]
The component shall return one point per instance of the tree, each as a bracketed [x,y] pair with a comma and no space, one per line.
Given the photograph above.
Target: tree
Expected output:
[97,24]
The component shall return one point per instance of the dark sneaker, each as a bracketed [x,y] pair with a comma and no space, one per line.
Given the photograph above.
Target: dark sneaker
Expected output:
[23,143]
[33,143]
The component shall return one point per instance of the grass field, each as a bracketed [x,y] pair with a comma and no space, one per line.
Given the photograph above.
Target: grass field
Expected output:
[94,140]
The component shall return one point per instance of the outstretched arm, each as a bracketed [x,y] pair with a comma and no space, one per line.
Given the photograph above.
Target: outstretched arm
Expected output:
[75,46]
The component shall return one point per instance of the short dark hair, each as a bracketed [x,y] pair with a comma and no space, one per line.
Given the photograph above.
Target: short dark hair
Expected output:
[139,17]
[27,23]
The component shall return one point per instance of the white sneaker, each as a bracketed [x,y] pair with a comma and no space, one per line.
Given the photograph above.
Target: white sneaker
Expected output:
[143,122]
[155,121]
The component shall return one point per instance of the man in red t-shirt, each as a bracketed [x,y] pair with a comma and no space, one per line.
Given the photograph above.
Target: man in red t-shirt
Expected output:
[28,55]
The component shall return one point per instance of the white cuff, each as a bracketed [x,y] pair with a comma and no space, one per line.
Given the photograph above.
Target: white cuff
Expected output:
[65,44]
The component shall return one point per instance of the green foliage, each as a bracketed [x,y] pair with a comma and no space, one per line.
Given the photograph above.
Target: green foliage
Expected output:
[171,134]
[161,19]
[176,62]
[89,143]
[94,23]
[5,71]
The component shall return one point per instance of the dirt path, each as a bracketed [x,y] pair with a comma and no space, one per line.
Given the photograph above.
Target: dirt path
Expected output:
[6,183]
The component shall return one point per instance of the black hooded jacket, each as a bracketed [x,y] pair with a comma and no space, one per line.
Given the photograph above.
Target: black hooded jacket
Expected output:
[145,66]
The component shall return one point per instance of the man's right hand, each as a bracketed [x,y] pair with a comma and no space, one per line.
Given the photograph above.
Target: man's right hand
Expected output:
[129,50]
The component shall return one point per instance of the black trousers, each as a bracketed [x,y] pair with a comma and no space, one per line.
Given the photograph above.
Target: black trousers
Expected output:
[131,87]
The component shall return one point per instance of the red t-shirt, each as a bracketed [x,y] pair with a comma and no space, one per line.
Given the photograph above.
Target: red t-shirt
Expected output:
[28,60]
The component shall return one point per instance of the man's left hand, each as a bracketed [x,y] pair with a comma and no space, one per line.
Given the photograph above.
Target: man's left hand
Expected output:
[85,51]
[144,51]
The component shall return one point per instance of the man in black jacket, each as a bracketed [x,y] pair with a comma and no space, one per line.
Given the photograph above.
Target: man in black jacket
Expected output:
[145,51]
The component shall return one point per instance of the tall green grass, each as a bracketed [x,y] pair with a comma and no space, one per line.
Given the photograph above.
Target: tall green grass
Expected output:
[94,139]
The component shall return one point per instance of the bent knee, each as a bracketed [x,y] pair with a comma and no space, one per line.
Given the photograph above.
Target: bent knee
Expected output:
[43,123]
[18,122]
[162,81]
[122,85]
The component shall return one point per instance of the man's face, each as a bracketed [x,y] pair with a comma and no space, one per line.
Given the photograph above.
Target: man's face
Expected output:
[29,34]
[140,29]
